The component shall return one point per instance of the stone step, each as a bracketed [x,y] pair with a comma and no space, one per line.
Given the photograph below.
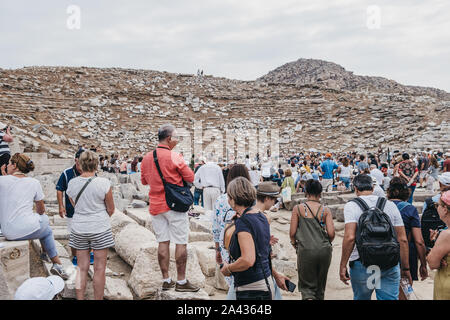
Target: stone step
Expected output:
[14,265]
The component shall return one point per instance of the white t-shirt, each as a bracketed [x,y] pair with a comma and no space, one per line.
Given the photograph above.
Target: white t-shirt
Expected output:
[345,172]
[90,212]
[17,196]
[255,177]
[377,174]
[265,169]
[352,213]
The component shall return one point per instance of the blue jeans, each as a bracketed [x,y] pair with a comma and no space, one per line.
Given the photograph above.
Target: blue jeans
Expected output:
[412,188]
[197,194]
[45,236]
[346,181]
[389,283]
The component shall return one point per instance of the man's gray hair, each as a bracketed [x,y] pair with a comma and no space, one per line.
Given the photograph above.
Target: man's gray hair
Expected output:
[165,131]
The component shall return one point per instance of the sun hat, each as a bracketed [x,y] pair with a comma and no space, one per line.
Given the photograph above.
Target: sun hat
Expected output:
[444,178]
[40,288]
[268,188]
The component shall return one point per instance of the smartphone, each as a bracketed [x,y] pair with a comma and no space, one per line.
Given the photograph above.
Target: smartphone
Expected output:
[346,274]
[290,285]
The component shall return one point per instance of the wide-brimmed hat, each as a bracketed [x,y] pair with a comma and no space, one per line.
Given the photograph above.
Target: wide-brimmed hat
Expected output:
[268,188]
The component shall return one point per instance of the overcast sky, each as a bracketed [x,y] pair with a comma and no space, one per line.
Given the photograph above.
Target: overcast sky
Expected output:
[239,39]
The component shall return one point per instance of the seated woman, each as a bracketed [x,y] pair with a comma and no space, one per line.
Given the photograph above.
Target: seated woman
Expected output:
[439,257]
[249,248]
[93,202]
[18,193]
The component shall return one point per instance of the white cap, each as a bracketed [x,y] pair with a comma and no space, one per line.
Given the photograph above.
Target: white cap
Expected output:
[40,288]
[444,178]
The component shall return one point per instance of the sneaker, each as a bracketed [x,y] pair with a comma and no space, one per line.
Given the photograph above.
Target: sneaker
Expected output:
[74,261]
[92,258]
[187,287]
[44,257]
[168,285]
[58,270]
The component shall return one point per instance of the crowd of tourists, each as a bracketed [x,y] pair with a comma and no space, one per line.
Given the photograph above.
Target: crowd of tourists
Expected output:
[382,226]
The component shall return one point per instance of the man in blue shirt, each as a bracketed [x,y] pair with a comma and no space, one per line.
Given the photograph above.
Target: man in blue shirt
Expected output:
[67,210]
[327,170]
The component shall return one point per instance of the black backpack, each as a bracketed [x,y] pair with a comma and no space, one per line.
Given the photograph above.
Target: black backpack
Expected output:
[430,220]
[376,239]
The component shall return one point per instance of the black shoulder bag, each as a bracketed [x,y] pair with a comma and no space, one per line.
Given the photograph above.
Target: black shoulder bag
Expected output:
[178,198]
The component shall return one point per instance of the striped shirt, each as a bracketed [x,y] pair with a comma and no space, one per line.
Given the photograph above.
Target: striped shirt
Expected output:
[4,147]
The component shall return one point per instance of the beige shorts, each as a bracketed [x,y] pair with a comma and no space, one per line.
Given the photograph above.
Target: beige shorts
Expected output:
[171,226]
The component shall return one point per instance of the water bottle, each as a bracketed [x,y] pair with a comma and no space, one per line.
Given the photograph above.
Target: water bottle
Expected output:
[408,290]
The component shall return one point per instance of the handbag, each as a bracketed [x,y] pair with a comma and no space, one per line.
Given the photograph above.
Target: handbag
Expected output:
[82,189]
[178,198]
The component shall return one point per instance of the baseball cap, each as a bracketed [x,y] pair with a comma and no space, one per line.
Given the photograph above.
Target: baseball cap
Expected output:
[328,155]
[40,288]
[268,188]
[444,178]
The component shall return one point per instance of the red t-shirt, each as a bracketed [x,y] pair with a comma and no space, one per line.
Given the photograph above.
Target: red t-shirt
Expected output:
[174,170]
[447,165]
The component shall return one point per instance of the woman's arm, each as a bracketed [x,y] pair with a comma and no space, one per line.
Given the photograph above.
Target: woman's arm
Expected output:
[40,207]
[440,250]
[109,202]
[294,223]
[248,256]
[329,224]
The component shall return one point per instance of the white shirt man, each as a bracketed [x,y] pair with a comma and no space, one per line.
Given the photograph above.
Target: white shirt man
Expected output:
[210,178]
[376,173]
[265,169]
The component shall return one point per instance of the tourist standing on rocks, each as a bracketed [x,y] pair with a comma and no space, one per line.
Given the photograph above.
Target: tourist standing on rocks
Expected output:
[5,138]
[359,273]
[362,166]
[345,172]
[266,167]
[311,233]
[255,176]
[288,181]
[65,207]
[211,180]
[446,163]
[18,194]
[93,203]
[439,256]
[433,172]
[408,171]
[424,164]
[327,169]
[377,174]
[169,225]
[398,192]
[250,245]
[223,214]
[198,191]
[123,166]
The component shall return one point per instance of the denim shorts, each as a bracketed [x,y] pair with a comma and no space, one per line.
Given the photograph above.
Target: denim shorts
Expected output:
[365,281]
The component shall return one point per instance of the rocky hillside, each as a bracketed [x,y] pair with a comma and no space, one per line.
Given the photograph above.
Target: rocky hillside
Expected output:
[332,75]
[55,109]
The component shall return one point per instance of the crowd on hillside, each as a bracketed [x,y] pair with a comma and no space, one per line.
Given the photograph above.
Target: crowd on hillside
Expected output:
[383,229]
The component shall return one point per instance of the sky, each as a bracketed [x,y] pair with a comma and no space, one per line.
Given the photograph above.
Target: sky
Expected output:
[406,41]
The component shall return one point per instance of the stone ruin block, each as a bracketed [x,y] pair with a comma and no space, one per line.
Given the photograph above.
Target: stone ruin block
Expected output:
[15,264]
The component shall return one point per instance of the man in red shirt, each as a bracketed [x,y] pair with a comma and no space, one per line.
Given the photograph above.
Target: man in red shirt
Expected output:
[447,162]
[168,225]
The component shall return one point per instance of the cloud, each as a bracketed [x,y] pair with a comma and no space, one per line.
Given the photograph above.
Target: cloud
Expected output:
[232,38]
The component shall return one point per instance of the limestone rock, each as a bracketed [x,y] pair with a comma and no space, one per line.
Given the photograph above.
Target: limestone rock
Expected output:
[185,296]
[146,277]
[206,255]
[131,239]
[117,289]
[119,221]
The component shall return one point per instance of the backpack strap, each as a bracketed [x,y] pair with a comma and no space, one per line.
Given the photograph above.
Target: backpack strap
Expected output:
[402,205]
[361,203]
[381,202]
